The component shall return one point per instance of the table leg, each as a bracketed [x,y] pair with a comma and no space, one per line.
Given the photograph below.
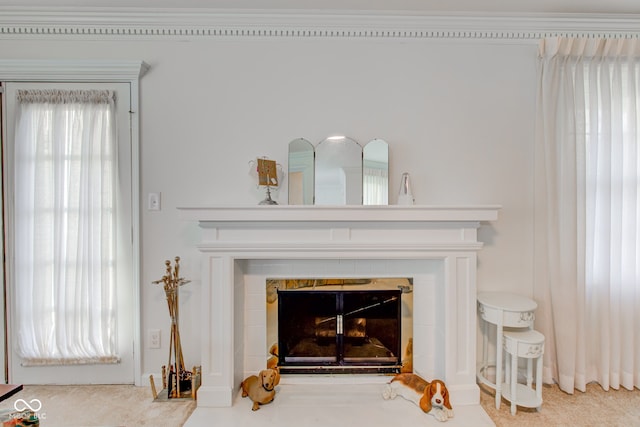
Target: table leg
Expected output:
[514,381]
[485,348]
[499,331]
[539,381]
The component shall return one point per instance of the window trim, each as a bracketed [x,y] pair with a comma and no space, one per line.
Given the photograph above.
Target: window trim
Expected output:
[82,71]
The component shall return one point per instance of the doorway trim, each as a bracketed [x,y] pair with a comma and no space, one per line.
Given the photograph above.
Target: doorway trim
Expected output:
[82,71]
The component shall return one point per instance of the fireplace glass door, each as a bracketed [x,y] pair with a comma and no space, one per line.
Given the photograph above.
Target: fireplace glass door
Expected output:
[339,331]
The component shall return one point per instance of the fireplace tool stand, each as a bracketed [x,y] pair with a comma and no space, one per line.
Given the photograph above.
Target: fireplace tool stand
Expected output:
[177,382]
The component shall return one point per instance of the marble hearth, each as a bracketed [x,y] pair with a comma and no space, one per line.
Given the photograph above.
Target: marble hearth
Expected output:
[243,246]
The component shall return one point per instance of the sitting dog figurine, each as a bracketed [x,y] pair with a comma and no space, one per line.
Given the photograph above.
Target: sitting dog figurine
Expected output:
[260,389]
[272,362]
[432,397]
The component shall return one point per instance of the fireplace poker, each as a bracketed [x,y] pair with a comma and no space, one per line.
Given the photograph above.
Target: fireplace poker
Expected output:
[361,309]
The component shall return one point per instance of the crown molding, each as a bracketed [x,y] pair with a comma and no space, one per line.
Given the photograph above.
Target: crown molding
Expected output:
[109,23]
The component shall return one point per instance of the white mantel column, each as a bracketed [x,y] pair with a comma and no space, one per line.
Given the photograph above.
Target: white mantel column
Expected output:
[217,331]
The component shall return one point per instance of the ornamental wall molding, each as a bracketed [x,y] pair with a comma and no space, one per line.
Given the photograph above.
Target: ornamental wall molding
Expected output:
[101,24]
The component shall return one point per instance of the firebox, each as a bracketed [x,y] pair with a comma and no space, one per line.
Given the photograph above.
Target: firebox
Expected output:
[339,331]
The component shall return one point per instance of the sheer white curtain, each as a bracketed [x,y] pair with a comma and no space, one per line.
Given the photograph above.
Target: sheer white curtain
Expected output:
[587,250]
[64,224]
[376,186]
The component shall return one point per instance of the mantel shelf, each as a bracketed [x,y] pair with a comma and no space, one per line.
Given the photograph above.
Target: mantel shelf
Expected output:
[352,213]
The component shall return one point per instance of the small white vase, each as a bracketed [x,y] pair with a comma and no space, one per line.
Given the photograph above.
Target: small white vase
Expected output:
[405,196]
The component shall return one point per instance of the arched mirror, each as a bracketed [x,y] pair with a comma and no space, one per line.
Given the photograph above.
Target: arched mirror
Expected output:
[338,176]
[375,173]
[301,172]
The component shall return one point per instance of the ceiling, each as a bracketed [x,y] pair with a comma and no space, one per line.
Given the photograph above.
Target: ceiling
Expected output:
[518,7]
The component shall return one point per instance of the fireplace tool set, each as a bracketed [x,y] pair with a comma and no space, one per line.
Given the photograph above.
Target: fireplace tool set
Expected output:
[177,382]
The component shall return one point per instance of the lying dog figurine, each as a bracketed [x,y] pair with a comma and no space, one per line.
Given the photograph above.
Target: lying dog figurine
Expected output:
[260,389]
[432,397]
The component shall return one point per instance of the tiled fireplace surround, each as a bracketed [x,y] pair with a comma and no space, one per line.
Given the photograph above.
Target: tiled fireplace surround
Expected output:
[243,246]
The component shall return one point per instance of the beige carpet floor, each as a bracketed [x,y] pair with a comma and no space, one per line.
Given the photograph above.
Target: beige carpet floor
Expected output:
[593,408]
[101,405]
[110,405]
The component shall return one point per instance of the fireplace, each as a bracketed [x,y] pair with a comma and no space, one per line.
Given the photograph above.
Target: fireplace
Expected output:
[243,247]
[350,326]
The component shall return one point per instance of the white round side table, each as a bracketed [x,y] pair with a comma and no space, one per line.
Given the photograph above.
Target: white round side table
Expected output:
[504,310]
[528,344]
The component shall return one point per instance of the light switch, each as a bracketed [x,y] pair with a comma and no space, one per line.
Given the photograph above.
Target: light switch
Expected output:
[154,202]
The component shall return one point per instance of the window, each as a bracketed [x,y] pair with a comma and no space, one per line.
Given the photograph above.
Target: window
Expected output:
[588,210]
[69,236]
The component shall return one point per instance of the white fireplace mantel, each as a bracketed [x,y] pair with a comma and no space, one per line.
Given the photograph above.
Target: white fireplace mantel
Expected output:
[231,235]
[353,213]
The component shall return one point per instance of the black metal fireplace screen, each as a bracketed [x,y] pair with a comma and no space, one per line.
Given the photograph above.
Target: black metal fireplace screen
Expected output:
[339,331]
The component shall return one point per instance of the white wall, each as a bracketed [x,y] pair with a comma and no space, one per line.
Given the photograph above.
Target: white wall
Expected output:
[458,115]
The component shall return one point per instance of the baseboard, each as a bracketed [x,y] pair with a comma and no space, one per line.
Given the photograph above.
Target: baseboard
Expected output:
[464,394]
[215,397]
[157,378]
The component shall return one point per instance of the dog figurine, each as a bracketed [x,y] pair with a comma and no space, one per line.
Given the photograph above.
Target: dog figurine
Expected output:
[260,388]
[272,362]
[432,397]
[407,362]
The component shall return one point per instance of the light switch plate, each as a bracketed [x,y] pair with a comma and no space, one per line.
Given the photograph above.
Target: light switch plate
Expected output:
[153,203]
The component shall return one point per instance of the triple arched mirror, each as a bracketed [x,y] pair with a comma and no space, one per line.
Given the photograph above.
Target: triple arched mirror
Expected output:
[338,171]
